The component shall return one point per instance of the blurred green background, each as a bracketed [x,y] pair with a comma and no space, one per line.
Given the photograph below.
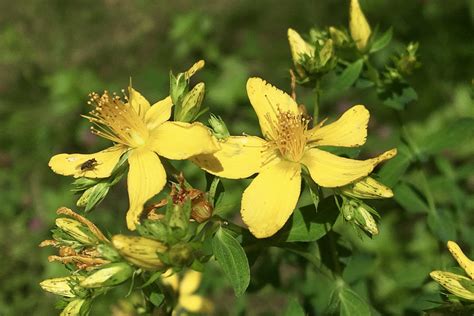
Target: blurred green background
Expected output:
[53,53]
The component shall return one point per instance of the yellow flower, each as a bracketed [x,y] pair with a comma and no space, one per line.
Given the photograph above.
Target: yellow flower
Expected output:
[185,289]
[145,133]
[288,145]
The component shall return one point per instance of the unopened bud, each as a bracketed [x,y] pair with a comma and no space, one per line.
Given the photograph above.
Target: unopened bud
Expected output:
[367,188]
[108,252]
[326,53]
[463,261]
[191,104]
[140,251]
[76,230]
[339,37]
[358,25]
[108,275]
[64,286]
[366,221]
[93,196]
[201,210]
[218,126]
[77,307]
[456,284]
[181,254]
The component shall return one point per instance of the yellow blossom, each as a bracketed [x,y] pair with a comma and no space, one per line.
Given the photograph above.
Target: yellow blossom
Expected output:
[458,285]
[142,130]
[288,144]
[185,289]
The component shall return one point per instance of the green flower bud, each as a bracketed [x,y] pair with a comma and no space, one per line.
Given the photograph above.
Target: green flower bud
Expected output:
[76,230]
[140,251]
[64,286]
[178,87]
[78,307]
[108,252]
[191,104]
[108,275]
[365,220]
[93,196]
[339,37]
[218,126]
[326,53]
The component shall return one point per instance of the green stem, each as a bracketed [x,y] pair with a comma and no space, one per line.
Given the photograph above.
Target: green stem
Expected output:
[317,92]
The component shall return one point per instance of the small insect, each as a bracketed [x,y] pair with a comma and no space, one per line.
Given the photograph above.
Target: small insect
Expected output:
[89,165]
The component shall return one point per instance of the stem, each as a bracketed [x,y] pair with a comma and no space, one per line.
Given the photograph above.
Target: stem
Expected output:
[317,92]
[334,254]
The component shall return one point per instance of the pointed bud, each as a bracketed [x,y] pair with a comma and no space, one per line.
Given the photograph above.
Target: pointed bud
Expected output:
[299,49]
[108,275]
[463,261]
[64,286]
[218,126]
[367,188]
[78,307]
[339,37]
[358,25]
[140,251]
[195,68]
[365,220]
[76,230]
[93,196]
[106,251]
[326,53]
[191,104]
[456,284]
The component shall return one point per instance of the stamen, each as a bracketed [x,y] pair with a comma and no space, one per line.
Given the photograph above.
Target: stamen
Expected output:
[115,120]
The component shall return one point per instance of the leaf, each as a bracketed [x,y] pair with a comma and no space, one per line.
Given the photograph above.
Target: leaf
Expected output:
[398,98]
[232,259]
[442,224]
[294,309]
[409,199]
[348,76]
[156,298]
[351,304]
[382,41]
[152,279]
[448,137]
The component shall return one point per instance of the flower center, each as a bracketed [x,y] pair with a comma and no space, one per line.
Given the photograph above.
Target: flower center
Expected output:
[289,134]
[116,120]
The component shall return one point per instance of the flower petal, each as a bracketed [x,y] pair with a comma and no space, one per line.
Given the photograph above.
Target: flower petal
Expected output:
[267,101]
[195,304]
[463,261]
[146,178]
[190,282]
[350,130]
[331,171]
[158,113]
[170,278]
[179,140]
[271,198]
[73,164]
[138,102]
[239,157]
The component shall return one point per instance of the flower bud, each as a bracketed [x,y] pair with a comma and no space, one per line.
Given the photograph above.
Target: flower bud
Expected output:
[456,284]
[201,209]
[93,196]
[76,230]
[367,188]
[64,286]
[358,26]
[339,37]
[77,307]
[140,251]
[108,252]
[326,53]
[299,49]
[181,254]
[218,126]
[463,261]
[108,275]
[191,104]
[365,220]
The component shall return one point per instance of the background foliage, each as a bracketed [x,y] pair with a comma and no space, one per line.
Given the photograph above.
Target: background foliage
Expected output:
[52,54]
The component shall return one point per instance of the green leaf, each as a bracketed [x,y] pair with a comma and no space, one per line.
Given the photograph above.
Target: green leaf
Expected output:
[294,309]
[306,224]
[156,298]
[152,279]
[409,199]
[382,41]
[232,259]
[442,224]
[394,169]
[448,137]
[348,76]
[351,304]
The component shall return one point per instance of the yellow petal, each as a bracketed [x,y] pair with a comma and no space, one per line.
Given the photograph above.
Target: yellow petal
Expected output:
[271,198]
[463,261]
[97,165]
[298,46]
[195,304]
[239,157]
[367,188]
[138,102]
[451,282]
[267,101]
[146,178]
[350,130]
[170,278]
[158,113]
[331,171]
[179,140]
[190,282]
[358,25]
